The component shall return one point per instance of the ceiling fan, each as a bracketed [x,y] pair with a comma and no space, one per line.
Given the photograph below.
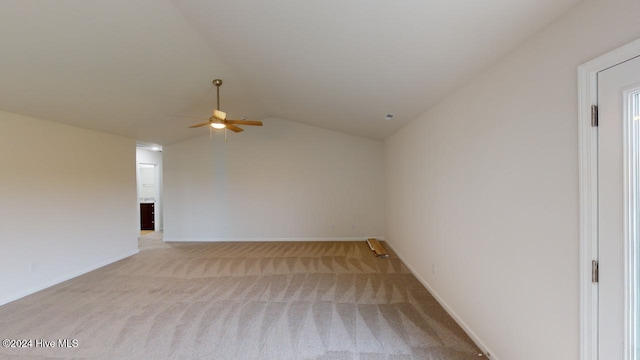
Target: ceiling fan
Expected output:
[219,118]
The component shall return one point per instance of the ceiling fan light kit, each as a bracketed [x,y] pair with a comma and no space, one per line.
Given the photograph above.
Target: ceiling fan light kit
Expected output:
[219,118]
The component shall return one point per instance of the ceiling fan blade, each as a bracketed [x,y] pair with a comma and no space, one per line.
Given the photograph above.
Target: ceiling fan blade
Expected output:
[244,122]
[234,128]
[199,125]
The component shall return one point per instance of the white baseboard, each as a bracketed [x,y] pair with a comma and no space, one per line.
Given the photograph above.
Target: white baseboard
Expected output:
[448,309]
[267,239]
[64,278]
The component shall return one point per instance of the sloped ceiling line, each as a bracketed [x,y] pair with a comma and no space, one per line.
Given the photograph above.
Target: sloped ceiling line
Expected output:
[123,67]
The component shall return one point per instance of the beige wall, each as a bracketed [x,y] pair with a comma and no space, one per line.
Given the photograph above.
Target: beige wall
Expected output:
[67,202]
[482,190]
[285,180]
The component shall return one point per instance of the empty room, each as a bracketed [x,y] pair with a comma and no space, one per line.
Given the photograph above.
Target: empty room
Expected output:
[332,180]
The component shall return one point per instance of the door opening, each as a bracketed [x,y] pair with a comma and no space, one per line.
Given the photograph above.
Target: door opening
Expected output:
[610,205]
[149,186]
[147,195]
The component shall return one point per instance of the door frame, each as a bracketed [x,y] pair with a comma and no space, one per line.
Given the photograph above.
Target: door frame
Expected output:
[588,190]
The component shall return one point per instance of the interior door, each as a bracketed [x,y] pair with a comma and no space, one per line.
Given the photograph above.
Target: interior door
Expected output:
[618,138]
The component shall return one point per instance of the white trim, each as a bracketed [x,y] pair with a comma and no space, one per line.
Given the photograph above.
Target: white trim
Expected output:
[630,151]
[467,329]
[64,278]
[179,239]
[588,185]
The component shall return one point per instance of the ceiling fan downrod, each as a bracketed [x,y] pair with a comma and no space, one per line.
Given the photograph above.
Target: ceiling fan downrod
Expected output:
[217,83]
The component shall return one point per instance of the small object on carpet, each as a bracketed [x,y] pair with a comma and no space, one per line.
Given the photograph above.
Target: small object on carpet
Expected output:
[377,248]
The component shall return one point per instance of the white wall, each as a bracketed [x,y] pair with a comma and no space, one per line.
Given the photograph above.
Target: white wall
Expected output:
[67,202]
[483,188]
[147,184]
[144,156]
[285,180]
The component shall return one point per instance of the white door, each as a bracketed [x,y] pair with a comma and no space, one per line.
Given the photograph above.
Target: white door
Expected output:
[618,223]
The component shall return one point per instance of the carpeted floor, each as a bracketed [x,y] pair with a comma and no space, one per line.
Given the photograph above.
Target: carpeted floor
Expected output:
[308,300]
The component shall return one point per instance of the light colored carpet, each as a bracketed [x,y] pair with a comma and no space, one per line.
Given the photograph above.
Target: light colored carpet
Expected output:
[307,300]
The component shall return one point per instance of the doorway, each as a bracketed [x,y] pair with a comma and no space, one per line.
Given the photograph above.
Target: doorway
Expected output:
[610,205]
[147,195]
[149,185]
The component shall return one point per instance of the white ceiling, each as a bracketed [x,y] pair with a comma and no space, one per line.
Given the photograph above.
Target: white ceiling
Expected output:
[124,67]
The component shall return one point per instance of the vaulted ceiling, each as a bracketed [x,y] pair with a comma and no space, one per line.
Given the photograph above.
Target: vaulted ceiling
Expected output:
[129,67]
